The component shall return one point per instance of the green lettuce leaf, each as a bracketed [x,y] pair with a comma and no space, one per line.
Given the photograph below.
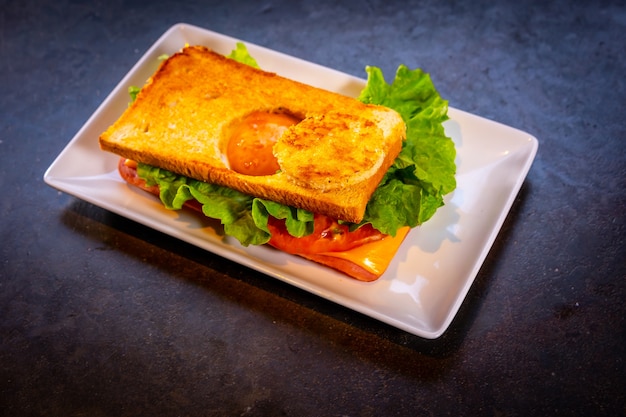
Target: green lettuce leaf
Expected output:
[133,90]
[241,54]
[410,193]
[243,217]
[424,172]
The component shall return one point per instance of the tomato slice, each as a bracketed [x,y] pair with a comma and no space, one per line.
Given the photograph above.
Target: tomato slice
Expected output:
[328,236]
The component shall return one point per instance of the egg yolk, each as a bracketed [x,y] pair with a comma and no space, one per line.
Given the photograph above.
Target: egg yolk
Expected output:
[249,148]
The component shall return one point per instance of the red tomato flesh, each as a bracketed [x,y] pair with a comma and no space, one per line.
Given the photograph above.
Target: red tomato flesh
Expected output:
[328,236]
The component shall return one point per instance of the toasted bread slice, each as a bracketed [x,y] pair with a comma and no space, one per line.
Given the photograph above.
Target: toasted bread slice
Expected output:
[330,163]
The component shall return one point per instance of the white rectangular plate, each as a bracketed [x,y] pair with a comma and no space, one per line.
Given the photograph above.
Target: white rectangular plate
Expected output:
[431,274]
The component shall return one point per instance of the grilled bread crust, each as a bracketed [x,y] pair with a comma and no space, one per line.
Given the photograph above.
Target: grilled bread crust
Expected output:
[330,162]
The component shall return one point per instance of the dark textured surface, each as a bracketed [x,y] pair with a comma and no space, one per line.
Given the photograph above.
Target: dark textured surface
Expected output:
[103,317]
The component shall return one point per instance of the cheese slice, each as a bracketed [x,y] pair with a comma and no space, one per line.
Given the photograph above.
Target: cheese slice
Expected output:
[367,262]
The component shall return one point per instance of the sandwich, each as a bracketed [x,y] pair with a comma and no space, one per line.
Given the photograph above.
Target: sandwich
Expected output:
[337,180]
